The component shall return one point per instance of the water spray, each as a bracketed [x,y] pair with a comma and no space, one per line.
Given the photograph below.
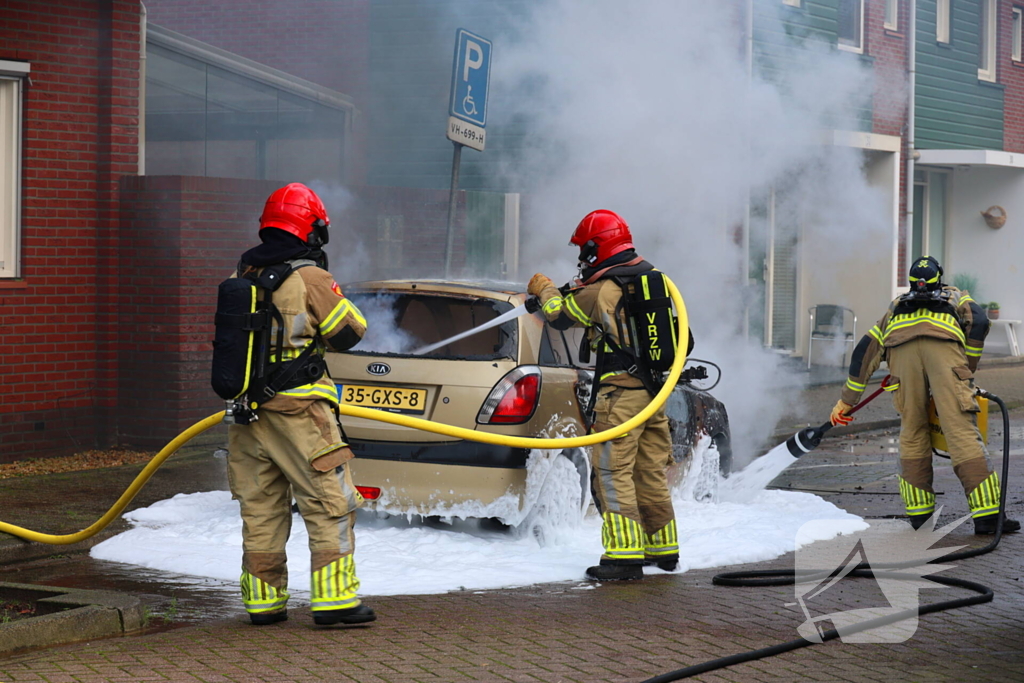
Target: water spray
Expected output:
[531,305]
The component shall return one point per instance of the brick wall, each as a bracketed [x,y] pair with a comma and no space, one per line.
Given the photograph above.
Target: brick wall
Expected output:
[888,48]
[1011,74]
[181,236]
[58,369]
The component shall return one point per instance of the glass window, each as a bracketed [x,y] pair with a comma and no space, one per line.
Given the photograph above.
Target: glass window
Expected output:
[942,20]
[1018,29]
[791,3]
[851,25]
[892,14]
[10,172]
[987,41]
[208,121]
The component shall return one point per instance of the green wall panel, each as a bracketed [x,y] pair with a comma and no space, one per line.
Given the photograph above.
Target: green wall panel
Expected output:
[954,109]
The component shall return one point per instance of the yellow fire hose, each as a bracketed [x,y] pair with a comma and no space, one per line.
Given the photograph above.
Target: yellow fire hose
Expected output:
[167,451]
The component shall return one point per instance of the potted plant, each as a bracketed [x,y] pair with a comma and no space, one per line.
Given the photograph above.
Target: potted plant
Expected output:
[993,310]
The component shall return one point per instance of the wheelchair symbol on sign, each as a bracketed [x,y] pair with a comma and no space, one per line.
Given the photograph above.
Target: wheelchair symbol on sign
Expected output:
[468,104]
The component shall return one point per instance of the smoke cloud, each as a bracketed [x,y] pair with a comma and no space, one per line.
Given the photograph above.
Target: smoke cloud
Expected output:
[650,109]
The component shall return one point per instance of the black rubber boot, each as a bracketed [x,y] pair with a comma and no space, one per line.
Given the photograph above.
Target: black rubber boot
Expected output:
[984,526]
[666,564]
[267,618]
[917,521]
[615,572]
[353,615]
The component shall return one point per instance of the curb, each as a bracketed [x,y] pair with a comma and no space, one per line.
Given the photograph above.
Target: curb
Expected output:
[67,616]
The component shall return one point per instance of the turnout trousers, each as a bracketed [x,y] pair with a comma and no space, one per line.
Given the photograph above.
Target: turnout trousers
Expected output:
[938,367]
[269,462]
[629,480]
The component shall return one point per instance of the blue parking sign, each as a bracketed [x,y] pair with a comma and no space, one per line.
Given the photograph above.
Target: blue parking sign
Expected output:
[470,73]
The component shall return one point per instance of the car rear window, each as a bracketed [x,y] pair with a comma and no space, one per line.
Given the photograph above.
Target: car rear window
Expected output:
[398,324]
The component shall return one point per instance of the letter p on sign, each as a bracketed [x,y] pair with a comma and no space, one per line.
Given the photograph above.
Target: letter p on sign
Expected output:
[474,58]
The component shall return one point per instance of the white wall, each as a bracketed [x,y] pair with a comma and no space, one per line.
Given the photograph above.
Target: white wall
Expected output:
[855,269]
[996,257]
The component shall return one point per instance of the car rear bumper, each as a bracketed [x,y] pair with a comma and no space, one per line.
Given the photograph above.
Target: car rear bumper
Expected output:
[468,453]
[442,489]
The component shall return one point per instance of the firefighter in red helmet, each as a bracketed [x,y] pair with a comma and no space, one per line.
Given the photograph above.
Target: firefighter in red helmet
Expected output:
[293,446]
[629,479]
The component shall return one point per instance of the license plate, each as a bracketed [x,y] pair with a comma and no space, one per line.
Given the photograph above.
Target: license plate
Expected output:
[391,399]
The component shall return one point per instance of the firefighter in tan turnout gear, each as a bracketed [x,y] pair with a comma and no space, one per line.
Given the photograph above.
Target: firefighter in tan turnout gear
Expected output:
[292,444]
[932,338]
[629,479]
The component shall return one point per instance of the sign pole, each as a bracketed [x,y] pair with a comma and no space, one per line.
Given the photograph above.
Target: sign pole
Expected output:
[452,195]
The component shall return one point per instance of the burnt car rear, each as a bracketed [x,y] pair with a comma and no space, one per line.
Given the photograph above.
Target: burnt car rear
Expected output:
[520,378]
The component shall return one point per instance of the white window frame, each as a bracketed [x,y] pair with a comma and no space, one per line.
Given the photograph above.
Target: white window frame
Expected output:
[791,3]
[1018,34]
[12,75]
[892,15]
[857,47]
[943,20]
[987,40]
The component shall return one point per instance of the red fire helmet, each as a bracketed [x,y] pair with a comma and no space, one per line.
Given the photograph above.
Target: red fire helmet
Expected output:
[600,235]
[297,210]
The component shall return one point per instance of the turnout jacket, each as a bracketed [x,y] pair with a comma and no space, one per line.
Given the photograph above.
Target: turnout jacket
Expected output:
[592,306]
[953,316]
[312,305]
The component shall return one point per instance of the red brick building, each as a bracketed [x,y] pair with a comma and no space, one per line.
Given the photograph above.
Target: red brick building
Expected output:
[72,96]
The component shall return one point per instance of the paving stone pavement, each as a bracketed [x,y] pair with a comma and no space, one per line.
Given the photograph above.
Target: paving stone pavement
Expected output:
[612,633]
[574,632]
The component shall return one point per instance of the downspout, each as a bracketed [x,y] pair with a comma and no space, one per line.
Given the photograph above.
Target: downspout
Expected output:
[911,151]
[142,89]
[745,247]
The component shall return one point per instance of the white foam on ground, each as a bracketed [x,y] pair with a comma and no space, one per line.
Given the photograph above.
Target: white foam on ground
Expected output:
[199,534]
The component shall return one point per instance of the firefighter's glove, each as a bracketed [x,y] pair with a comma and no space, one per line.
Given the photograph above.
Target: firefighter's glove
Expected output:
[840,414]
[538,283]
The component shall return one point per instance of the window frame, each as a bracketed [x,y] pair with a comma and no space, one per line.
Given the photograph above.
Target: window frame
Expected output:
[1017,44]
[892,15]
[988,40]
[944,21]
[857,48]
[13,74]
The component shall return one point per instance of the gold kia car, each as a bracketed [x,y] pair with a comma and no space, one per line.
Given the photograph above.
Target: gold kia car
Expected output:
[521,378]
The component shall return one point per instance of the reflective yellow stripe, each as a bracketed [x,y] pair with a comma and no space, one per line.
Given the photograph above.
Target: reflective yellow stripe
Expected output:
[984,499]
[329,393]
[553,305]
[974,351]
[344,307]
[943,321]
[965,298]
[622,537]
[334,585]
[892,387]
[577,312]
[917,501]
[854,386]
[259,596]
[876,333]
[664,541]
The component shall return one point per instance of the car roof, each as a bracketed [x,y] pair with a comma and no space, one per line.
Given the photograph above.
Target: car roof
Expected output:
[481,288]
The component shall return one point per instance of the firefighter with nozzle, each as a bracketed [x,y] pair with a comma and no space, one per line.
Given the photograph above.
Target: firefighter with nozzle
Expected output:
[629,477]
[276,318]
[932,338]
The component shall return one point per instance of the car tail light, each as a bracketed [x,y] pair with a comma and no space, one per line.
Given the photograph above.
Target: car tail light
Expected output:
[513,399]
[369,492]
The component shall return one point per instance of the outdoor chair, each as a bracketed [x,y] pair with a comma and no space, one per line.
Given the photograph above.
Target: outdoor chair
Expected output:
[832,324]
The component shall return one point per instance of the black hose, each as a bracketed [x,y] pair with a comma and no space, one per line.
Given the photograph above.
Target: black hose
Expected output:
[787,577]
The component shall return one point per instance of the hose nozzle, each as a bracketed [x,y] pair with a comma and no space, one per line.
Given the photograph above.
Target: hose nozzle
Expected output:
[806,440]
